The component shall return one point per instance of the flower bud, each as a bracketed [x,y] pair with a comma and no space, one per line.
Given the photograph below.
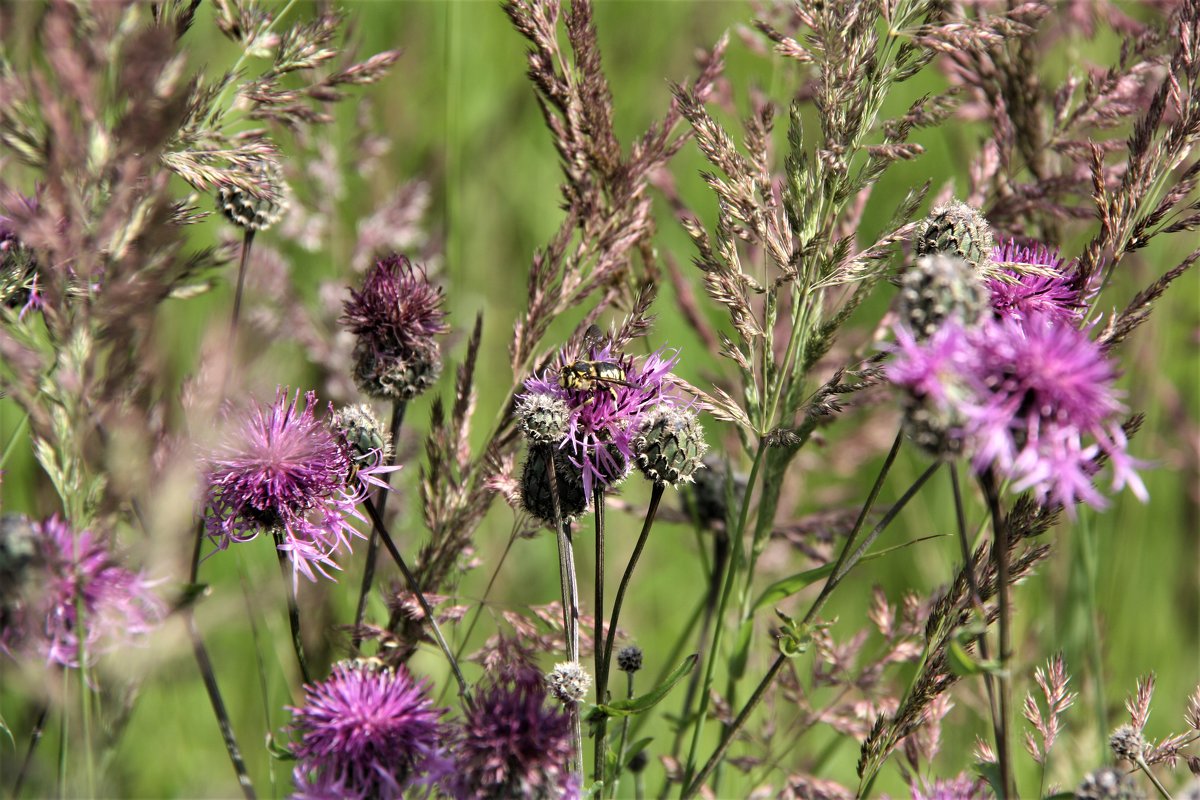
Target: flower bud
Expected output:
[397,375]
[364,434]
[956,229]
[536,491]
[1127,743]
[544,418]
[670,445]
[1107,783]
[629,659]
[569,682]
[940,287]
[252,213]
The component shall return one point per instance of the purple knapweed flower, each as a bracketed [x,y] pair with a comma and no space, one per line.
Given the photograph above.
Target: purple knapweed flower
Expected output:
[605,418]
[964,787]
[1032,399]
[284,471]
[396,316]
[512,744]
[76,584]
[1042,390]
[368,731]
[1057,297]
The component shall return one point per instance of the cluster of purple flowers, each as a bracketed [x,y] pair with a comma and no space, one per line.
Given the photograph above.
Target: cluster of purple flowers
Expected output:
[1027,392]
[371,731]
[286,472]
[66,597]
[604,419]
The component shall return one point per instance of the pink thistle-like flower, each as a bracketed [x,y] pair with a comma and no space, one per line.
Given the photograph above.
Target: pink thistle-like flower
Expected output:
[1033,399]
[77,585]
[286,472]
[367,731]
[512,744]
[1057,297]
[604,419]
[1043,389]
[963,787]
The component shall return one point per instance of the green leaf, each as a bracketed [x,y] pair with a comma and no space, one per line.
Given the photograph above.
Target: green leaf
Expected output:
[963,664]
[791,585]
[636,705]
[278,751]
[595,790]
[7,732]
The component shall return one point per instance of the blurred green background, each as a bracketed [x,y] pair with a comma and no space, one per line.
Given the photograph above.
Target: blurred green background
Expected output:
[1118,597]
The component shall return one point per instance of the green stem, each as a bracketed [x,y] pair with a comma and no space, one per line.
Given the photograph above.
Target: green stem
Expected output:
[35,736]
[1000,555]
[289,583]
[381,497]
[624,737]
[730,572]
[973,584]
[1144,767]
[415,588]
[600,735]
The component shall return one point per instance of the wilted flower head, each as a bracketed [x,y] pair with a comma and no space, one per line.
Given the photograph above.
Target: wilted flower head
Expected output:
[284,471]
[72,583]
[1032,399]
[1128,743]
[568,682]
[1057,297]
[396,316]
[605,417]
[367,731]
[512,744]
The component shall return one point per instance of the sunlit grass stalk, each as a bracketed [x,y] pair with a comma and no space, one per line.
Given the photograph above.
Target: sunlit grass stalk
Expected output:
[846,562]
[289,583]
[35,737]
[734,561]
[381,497]
[600,733]
[1004,751]
[85,694]
[415,588]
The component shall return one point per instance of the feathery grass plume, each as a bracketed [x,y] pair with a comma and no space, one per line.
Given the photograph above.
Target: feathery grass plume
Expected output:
[72,600]
[367,731]
[1053,682]
[283,470]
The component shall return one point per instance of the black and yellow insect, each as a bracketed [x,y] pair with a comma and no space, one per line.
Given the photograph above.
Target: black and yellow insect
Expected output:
[591,375]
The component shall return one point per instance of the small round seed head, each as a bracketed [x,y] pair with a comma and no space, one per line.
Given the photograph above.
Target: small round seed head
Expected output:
[252,213]
[536,492]
[638,761]
[1107,783]
[629,659]
[400,376]
[568,681]
[936,430]
[670,445]
[941,287]
[1127,743]
[365,435]
[956,229]
[544,418]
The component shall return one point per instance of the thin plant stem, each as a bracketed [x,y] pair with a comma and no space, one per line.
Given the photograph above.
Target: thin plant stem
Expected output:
[735,559]
[289,583]
[573,647]
[381,497]
[64,718]
[204,663]
[976,598]
[624,737]
[219,710]
[35,736]
[415,588]
[12,440]
[1144,767]
[848,562]
[247,241]
[1088,559]
[600,736]
[259,662]
[85,695]
[1000,555]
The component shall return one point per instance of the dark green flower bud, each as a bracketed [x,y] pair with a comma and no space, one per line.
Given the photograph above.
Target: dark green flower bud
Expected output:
[252,213]
[941,287]
[395,376]
[536,491]
[629,659]
[369,442]
[670,445]
[957,230]
[544,418]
